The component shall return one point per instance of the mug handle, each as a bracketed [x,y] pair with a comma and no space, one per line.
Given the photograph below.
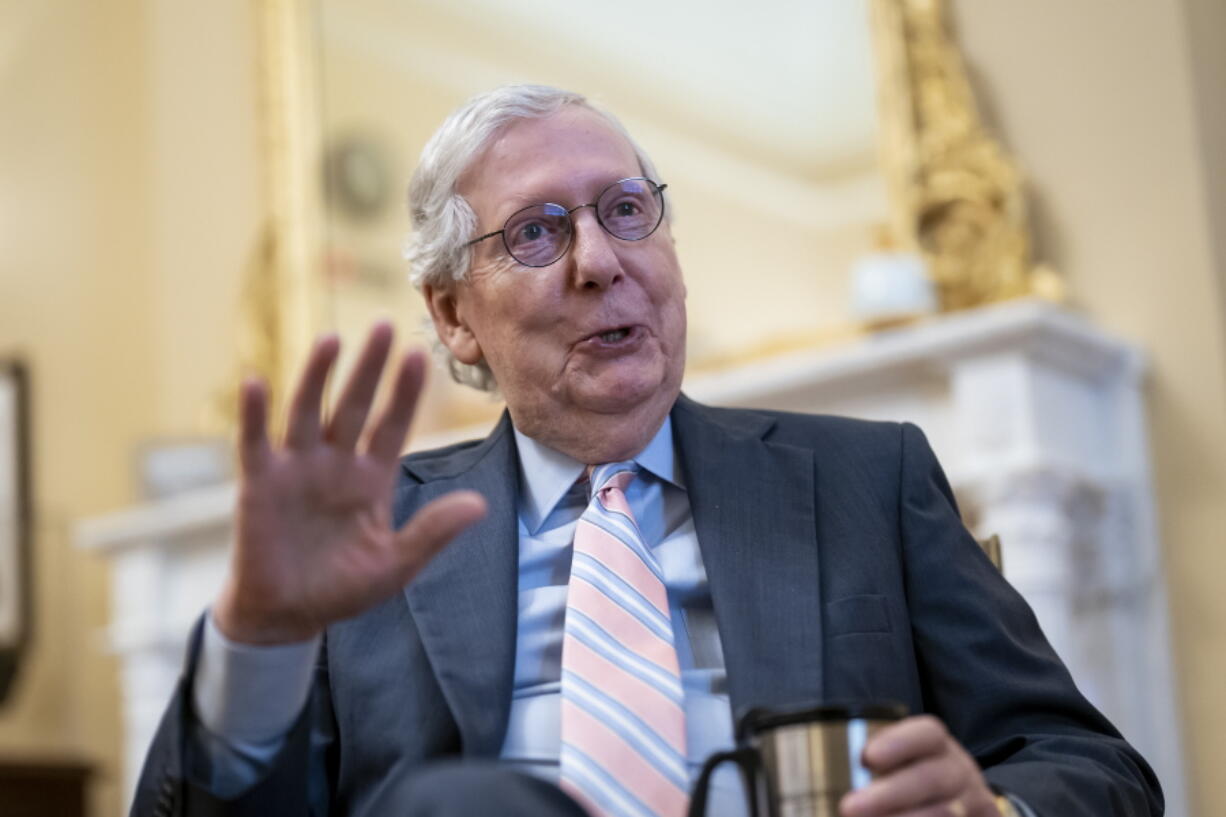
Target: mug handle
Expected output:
[746,760]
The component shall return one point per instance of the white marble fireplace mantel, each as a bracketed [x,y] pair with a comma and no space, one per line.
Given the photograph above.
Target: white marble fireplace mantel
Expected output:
[1037,416]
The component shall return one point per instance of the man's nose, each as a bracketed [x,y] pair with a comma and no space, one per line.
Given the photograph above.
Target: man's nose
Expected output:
[595,258]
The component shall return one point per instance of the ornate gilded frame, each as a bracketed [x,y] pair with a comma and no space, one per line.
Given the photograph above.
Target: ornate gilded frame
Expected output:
[955,195]
[283,297]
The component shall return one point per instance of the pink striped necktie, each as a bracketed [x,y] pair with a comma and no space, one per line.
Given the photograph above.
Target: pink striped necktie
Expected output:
[623,722]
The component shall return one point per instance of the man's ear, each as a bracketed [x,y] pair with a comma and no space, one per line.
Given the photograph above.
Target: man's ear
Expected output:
[452,330]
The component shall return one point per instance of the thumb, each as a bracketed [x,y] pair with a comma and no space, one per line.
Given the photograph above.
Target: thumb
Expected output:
[434,526]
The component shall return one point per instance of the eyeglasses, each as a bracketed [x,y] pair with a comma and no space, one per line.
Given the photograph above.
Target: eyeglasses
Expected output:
[536,236]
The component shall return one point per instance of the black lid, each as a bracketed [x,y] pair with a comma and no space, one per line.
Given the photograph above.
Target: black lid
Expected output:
[761,718]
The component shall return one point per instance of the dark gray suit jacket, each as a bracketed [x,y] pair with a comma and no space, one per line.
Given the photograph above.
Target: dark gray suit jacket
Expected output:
[838,569]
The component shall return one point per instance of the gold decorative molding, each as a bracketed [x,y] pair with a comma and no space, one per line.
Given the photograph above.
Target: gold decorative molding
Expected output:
[284,297]
[955,195]
[283,293]
[259,336]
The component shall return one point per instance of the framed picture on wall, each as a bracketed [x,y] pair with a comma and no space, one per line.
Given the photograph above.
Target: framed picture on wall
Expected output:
[14,519]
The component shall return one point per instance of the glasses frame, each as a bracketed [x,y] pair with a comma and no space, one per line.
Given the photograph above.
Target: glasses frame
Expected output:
[570,239]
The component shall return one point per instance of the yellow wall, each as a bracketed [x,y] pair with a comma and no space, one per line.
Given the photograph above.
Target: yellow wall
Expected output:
[1205,24]
[1102,104]
[130,199]
[205,183]
[74,278]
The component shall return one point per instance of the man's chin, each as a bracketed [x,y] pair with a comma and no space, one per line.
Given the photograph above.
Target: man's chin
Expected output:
[625,396]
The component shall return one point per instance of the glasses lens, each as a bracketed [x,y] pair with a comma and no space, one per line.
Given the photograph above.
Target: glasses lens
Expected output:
[631,209]
[537,236]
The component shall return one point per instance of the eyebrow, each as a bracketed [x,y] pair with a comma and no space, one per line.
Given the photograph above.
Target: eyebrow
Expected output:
[519,202]
[513,205]
[516,203]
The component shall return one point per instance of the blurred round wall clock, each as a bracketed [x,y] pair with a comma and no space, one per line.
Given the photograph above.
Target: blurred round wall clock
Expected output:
[357,176]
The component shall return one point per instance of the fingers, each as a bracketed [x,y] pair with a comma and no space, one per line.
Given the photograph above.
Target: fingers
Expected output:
[954,808]
[918,769]
[436,524]
[904,742]
[253,447]
[354,404]
[389,432]
[931,783]
[303,428]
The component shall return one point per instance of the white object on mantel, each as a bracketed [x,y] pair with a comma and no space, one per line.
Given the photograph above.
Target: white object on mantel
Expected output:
[888,286]
[1036,415]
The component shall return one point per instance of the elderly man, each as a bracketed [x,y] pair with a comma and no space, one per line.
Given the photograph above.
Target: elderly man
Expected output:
[626,568]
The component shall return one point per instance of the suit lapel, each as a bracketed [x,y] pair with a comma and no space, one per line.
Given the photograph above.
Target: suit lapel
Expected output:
[754,515]
[465,601]
[753,507]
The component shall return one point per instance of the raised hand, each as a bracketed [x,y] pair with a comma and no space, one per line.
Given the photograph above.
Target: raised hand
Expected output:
[314,542]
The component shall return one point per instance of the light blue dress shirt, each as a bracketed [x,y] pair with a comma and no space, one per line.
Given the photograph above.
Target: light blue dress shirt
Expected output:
[240,694]
[551,502]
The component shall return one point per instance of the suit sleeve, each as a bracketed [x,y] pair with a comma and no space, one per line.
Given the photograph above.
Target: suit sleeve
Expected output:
[989,673]
[296,781]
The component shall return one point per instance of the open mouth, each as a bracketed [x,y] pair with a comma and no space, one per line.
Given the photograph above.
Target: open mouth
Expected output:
[614,335]
[613,341]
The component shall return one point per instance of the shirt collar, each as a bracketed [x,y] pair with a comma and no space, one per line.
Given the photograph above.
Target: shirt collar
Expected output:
[546,475]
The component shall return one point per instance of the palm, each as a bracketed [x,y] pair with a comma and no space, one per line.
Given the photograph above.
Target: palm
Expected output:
[314,541]
[338,537]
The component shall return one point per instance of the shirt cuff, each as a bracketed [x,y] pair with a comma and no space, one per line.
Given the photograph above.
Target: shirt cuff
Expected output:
[244,693]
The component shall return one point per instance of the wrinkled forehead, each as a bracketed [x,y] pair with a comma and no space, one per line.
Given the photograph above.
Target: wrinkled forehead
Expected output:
[568,157]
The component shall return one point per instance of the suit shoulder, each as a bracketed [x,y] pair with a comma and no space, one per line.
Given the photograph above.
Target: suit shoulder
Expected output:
[826,430]
[431,455]
[835,437]
[453,460]
[828,433]
[836,426]
[434,463]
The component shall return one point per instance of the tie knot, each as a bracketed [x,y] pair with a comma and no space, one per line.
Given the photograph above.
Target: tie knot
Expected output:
[612,475]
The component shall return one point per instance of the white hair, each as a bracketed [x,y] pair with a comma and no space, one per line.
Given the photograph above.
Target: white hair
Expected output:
[443,221]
